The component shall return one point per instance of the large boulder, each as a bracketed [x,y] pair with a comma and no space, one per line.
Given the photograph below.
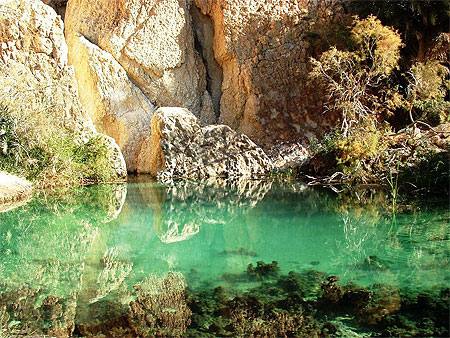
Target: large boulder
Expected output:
[35,75]
[181,148]
[152,40]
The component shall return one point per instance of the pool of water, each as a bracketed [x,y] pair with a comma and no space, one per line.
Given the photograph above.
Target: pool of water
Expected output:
[145,259]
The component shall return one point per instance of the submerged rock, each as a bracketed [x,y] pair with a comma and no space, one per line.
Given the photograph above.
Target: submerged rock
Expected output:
[263,270]
[181,148]
[160,308]
[374,263]
[240,252]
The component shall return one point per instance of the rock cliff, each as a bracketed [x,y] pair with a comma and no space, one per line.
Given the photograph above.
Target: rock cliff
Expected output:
[35,75]
[242,63]
[262,48]
[152,40]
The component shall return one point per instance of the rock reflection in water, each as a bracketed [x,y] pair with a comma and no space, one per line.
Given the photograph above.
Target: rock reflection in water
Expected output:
[45,245]
[91,261]
[180,208]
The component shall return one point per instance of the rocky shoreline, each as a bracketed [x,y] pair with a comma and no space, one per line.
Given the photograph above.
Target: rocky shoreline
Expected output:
[174,89]
[13,188]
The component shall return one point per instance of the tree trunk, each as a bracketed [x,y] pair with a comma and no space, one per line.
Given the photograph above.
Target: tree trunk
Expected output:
[421,52]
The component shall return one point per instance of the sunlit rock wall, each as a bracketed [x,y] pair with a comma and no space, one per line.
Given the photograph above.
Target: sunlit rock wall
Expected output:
[33,64]
[262,48]
[151,40]
[241,63]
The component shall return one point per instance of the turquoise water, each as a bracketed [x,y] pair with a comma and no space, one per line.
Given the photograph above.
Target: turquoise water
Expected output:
[83,247]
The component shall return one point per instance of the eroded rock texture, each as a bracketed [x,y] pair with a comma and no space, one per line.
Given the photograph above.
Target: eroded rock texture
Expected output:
[242,63]
[118,108]
[33,59]
[152,40]
[262,48]
[58,5]
[181,148]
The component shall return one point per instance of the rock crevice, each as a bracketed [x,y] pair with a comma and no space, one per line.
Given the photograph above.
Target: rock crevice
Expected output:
[203,29]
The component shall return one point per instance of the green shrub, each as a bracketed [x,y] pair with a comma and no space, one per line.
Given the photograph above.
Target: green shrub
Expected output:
[43,131]
[53,157]
[347,153]
[431,172]
[352,78]
[428,86]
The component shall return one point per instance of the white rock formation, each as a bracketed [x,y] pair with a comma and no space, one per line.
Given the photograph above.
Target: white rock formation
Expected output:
[181,148]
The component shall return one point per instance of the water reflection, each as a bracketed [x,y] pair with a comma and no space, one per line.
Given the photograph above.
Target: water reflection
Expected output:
[45,247]
[187,205]
[88,260]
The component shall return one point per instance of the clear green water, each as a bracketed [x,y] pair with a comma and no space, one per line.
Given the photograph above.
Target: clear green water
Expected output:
[96,244]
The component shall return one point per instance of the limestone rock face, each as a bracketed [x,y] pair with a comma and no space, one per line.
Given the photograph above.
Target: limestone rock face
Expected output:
[262,47]
[240,63]
[35,75]
[118,108]
[152,40]
[288,156]
[181,148]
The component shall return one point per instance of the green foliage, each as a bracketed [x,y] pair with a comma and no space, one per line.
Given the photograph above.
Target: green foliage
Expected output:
[43,133]
[419,22]
[42,151]
[352,78]
[393,184]
[93,155]
[347,153]
[431,172]
[427,90]
[377,47]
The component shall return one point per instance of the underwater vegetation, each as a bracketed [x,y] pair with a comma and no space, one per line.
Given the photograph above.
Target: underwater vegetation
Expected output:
[296,304]
[303,264]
